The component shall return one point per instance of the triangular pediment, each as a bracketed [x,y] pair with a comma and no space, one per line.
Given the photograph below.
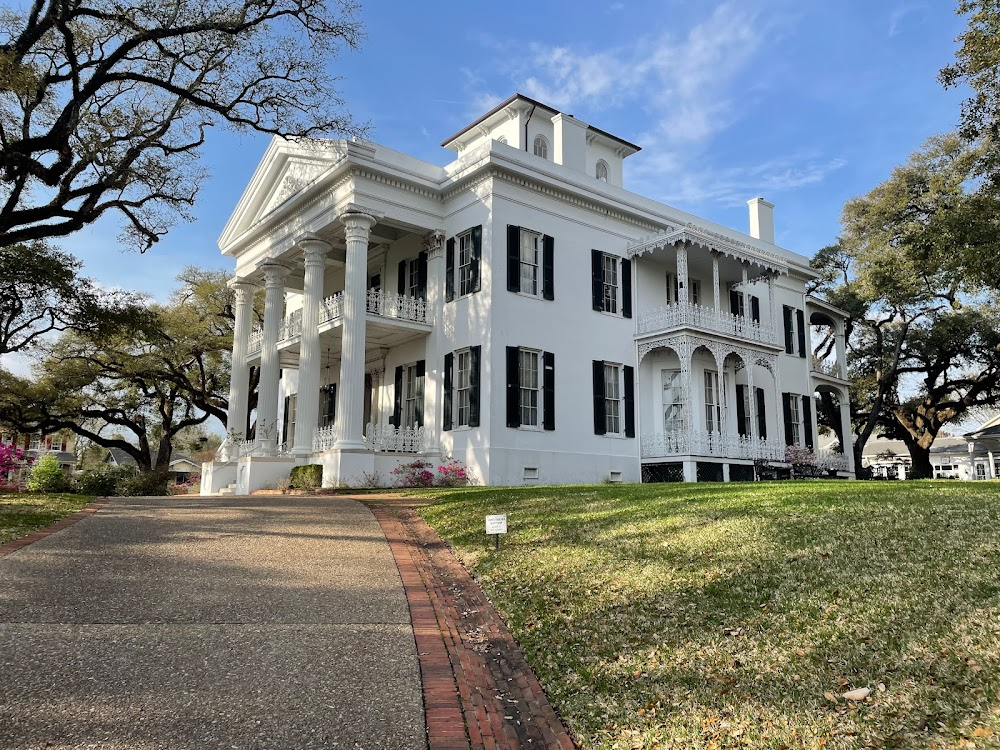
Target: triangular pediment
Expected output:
[287,170]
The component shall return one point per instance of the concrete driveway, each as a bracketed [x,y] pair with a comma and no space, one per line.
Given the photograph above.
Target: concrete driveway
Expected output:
[248,622]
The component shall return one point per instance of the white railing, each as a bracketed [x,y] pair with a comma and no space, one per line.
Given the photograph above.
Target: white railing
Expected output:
[827,368]
[399,306]
[832,461]
[385,437]
[682,315]
[325,437]
[702,443]
[256,340]
[331,308]
[290,326]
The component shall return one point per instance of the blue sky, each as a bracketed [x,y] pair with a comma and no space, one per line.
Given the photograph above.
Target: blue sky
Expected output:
[806,104]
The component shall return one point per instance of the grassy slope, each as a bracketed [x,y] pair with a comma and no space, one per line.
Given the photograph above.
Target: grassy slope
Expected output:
[719,616]
[23,513]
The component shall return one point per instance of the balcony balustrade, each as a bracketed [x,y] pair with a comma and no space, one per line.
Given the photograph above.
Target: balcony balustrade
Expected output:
[832,461]
[703,443]
[687,315]
[378,302]
[826,367]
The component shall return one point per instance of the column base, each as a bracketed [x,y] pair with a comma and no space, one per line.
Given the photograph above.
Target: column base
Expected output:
[690,471]
[347,467]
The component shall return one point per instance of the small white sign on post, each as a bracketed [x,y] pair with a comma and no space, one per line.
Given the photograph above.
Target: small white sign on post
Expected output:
[496,524]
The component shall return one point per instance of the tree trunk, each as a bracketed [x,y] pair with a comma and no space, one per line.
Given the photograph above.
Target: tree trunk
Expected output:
[921,462]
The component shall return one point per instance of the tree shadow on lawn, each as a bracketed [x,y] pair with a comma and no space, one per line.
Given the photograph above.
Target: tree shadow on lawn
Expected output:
[703,608]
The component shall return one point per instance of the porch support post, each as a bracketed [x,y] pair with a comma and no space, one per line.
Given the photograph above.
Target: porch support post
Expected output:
[307,404]
[239,381]
[991,471]
[682,273]
[773,304]
[841,349]
[845,421]
[715,282]
[351,391]
[434,243]
[752,403]
[267,399]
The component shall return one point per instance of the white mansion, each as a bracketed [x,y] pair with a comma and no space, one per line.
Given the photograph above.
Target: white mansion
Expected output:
[517,309]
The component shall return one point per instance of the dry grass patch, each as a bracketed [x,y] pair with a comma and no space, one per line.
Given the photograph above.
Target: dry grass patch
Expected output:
[737,616]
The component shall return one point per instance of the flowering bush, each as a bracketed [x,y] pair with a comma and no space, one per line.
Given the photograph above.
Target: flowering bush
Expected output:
[452,474]
[12,461]
[414,474]
[802,459]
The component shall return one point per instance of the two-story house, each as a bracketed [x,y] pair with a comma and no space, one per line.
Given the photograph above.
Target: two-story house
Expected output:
[517,309]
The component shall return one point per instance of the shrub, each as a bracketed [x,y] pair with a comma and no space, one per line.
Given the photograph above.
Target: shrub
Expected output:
[144,484]
[307,477]
[414,474]
[452,474]
[802,459]
[102,481]
[48,476]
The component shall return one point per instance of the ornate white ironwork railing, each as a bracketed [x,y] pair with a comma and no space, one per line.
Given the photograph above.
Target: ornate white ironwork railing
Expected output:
[385,437]
[331,308]
[829,460]
[701,443]
[256,340]
[827,368]
[399,306]
[290,326]
[325,437]
[705,318]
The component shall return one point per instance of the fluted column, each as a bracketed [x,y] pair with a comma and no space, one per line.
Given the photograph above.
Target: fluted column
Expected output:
[307,404]
[239,379]
[267,398]
[351,392]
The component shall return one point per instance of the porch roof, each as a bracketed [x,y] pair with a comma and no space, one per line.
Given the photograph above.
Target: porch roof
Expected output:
[696,235]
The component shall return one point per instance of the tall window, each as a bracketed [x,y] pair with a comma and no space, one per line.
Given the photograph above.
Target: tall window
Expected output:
[466,281]
[980,471]
[746,410]
[530,252]
[673,401]
[413,278]
[463,381]
[36,442]
[602,171]
[713,402]
[541,147]
[412,396]
[612,399]
[796,419]
[528,375]
[610,266]
[673,290]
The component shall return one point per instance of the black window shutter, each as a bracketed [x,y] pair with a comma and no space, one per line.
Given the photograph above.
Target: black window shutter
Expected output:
[597,279]
[477,254]
[449,360]
[761,415]
[449,270]
[800,323]
[600,420]
[397,404]
[741,411]
[626,288]
[629,401]
[807,421]
[786,407]
[786,314]
[401,278]
[513,387]
[548,267]
[755,309]
[513,258]
[475,357]
[734,302]
[548,390]
[422,275]
[284,421]
[421,371]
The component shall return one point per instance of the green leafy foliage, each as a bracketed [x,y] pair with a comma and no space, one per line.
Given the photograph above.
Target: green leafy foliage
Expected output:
[47,476]
[143,484]
[738,616]
[103,481]
[307,477]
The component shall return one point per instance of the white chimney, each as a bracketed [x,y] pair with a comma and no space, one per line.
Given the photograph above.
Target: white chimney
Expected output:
[761,219]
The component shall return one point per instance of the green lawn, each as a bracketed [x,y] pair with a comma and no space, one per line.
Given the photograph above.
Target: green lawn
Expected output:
[25,512]
[709,615]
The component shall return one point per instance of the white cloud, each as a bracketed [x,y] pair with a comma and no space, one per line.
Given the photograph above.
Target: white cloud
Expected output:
[900,12]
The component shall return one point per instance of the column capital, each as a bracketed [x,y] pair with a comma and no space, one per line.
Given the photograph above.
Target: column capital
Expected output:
[434,242]
[241,282]
[274,273]
[355,215]
[313,247]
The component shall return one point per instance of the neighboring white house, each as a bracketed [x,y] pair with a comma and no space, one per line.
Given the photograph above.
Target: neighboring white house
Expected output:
[984,450]
[517,309]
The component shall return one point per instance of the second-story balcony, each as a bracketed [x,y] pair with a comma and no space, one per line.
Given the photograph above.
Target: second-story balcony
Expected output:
[708,319]
[379,303]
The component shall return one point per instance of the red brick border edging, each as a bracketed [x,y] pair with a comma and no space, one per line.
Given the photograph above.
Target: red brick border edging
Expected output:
[8,548]
[479,691]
